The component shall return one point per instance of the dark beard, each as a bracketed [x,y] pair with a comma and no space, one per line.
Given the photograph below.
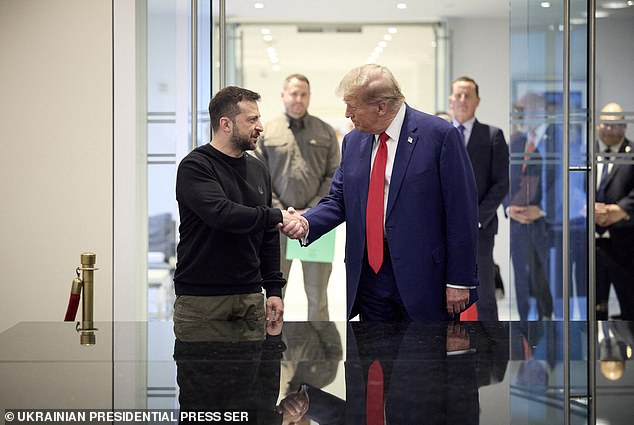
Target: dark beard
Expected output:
[241,142]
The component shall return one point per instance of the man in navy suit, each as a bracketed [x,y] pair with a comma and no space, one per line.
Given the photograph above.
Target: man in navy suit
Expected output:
[427,243]
[614,209]
[533,205]
[489,155]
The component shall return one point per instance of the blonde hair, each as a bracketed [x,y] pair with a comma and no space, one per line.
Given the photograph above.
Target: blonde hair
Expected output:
[372,84]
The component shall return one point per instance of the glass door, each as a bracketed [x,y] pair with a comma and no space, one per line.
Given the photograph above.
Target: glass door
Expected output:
[613,117]
[177,83]
[548,208]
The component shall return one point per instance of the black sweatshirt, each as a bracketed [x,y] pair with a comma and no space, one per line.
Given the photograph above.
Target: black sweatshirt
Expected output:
[228,240]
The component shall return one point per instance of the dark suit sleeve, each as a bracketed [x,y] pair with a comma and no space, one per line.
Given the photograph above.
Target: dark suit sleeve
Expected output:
[460,198]
[627,201]
[627,204]
[499,185]
[330,211]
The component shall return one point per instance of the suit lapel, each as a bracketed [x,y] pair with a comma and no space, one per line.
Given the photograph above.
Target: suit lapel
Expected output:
[404,148]
[365,157]
[615,168]
[474,139]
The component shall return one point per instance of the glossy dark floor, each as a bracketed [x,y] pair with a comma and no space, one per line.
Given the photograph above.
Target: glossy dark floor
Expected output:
[469,373]
[330,373]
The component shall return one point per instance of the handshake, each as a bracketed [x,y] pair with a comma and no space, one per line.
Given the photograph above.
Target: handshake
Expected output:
[293,224]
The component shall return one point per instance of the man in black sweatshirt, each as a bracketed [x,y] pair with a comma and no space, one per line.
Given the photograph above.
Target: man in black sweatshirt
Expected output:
[229,242]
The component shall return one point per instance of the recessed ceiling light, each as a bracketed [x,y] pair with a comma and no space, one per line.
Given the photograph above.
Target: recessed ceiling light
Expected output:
[545,4]
[615,5]
[258,5]
[578,21]
[630,3]
[267,37]
[265,31]
[383,44]
[601,14]
[387,37]
[392,30]
[401,6]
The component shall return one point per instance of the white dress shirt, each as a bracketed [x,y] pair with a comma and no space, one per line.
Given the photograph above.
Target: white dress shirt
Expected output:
[393,131]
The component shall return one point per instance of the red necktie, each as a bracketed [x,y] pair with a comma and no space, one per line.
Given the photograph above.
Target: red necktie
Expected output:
[374,210]
[530,148]
[374,395]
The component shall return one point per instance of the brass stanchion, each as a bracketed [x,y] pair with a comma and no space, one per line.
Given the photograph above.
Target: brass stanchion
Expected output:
[84,284]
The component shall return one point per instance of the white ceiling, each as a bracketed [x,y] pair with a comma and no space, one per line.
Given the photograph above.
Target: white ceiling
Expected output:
[367,11]
[369,20]
[382,11]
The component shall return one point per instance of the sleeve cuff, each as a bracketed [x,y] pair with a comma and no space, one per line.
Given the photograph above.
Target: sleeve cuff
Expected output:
[275,216]
[449,285]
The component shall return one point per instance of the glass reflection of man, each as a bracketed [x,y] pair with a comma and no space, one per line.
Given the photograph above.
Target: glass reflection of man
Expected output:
[614,208]
[228,366]
[528,229]
[402,373]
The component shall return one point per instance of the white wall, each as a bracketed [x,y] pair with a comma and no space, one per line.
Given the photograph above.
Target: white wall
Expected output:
[56,163]
[130,161]
[480,50]
[615,62]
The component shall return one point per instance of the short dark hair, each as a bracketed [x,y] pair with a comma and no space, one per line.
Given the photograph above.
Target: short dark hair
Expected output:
[300,77]
[225,103]
[466,79]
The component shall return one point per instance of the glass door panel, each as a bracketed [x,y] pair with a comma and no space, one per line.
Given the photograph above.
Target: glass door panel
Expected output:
[170,132]
[614,121]
[548,202]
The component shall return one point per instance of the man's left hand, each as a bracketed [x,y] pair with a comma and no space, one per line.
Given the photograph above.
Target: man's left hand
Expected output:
[457,300]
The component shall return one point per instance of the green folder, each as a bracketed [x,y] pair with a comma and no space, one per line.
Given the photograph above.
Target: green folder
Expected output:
[320,251]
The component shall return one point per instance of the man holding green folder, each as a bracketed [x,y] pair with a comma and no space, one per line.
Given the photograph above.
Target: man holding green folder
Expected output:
[302,154]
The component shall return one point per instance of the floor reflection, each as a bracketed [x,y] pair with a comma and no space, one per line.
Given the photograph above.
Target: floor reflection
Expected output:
[404,373]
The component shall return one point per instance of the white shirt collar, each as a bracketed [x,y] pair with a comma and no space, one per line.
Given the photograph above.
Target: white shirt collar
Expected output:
[468,124]
[539,134]
[394,129]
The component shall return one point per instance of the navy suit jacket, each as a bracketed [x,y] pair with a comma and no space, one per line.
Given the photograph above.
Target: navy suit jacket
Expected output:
[431,221]
[489,155]
[619,189]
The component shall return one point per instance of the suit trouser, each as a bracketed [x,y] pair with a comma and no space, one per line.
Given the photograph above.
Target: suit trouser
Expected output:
[316,277]
[614,268]
[529,255]
[487,303]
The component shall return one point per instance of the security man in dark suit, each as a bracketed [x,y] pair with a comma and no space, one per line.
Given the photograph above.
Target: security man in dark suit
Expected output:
[614,209]
[489,156]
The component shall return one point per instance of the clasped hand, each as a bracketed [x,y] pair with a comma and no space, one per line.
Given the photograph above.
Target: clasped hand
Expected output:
[293,224]
[607,214]
[525,214]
